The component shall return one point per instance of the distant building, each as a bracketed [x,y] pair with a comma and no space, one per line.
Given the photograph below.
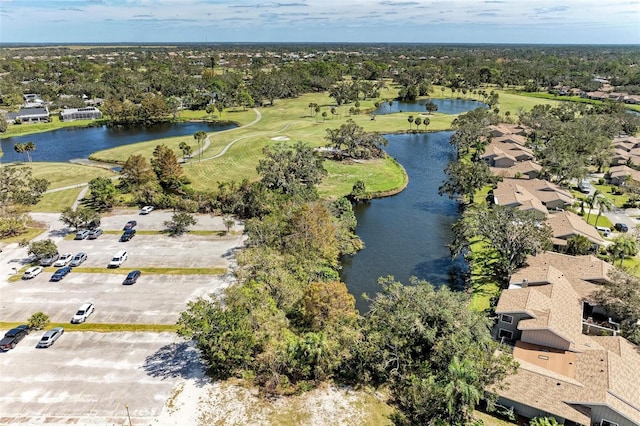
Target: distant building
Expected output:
[29,115]
[86,113]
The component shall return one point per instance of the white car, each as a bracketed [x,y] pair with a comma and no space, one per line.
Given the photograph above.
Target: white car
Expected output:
[63,260]
[32,272]
[50,337]
[146,210]
[83,313]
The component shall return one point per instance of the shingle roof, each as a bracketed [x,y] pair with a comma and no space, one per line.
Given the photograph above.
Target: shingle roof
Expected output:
[566,224]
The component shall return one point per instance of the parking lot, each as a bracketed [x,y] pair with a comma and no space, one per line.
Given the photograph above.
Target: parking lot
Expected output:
[87,377]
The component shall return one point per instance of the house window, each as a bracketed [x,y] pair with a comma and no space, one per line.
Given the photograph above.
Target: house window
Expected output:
[607,423]
[506,318]
[506,334]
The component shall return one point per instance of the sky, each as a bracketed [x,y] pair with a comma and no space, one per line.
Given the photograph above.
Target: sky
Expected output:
[410,21]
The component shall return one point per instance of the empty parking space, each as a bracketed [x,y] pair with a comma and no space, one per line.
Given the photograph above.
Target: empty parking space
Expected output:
[88,378]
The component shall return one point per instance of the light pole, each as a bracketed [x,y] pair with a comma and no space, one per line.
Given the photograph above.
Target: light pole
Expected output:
[127,407]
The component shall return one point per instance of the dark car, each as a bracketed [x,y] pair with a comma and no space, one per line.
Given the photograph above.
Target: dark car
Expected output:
[11,338]
[132,277]
[81,235]
[130,225]
[128,234]
[60,273]
[49,260]
[24,327]
[78,259]
[95,233]
[621,227]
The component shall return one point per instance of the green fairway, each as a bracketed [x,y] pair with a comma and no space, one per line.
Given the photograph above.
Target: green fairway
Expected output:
[61,175]
[289,120]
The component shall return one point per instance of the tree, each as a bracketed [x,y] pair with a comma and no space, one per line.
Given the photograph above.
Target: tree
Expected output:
[38,321]
[410,120]
[18,191]
[79,217]
[604,205]
[327,302]
[186,150]
[19,148]
[42,248]
[620,296]
[426,122]
[623,247]
[291,170]
[431,107]
[180,223]
[351,141]
[510,234]
[436,355]
[358,192]
[28,147]
[223,334]
[137,171]
[464,178]
[167,168]
[200,136]
[102,193]
[579,245]
[228,223]
[418,122]
[324,116]
[3,124]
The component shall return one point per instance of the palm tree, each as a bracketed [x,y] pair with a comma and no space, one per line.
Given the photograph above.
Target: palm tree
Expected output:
[426,122]
[200,136]
[604,204]
[28,147]
[20,149]
[622,248]
[418,122]
[461,393]
[591,201]
[410,120]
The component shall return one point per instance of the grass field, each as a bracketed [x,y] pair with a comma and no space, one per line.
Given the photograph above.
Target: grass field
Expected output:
[56,123]
[56,201]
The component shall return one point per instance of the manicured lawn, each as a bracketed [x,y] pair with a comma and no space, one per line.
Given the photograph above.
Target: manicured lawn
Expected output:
[55,202]
[28,236]
[27,129]
[577,99]
[60,175]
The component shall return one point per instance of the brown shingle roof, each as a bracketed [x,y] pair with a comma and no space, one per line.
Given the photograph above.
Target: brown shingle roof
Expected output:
[566,224]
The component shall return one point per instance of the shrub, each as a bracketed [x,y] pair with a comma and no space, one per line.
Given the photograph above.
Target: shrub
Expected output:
[38,321]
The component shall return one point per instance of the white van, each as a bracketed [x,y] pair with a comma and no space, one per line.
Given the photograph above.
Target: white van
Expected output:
[118,259]
[605,231]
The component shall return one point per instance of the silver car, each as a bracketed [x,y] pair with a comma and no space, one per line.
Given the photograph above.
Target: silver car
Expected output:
[50,337]
[78,259]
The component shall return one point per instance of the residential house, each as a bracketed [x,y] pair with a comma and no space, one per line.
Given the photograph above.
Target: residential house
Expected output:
[520,170]
[552,196]
[618,175]
[517,196]
[564,373]
[504,129]
[29,115]
[566,224]
[85,113]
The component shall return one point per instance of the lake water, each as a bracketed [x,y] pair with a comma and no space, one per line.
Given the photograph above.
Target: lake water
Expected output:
[445,106]
[71,143]
[407,234]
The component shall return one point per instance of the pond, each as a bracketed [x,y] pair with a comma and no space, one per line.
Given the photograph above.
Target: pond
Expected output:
[445,106]
[66,144]
[408,234]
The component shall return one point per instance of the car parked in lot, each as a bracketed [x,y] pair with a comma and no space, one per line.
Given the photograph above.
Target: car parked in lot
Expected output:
[95,233]
[24,327]
[127,235]
[83,313]
[605,231]
[63,260]
[50,337]
[48,260]
[118,259]
[81,235]
[12,337]
[146,210]
[32,272]
[78,259]
[130,225]
[621,227]
[132,277]
[60,273]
